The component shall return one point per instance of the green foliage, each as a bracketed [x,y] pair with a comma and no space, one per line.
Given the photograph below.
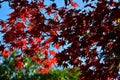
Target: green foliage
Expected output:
[29,71]
[64,74]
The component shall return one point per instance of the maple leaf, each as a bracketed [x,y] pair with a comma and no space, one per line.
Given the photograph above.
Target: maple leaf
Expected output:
[37,39]
[47,64]
[56,45]
[56,17]
[42,70]
[41,5]
[24,19]
[24,45]
[53,60]
[74,4]
[48,40]
[53,32]
[19,64]
[44,51]
[5,53]
[37,60]
[3,24]
[52,52]
[49,10]
[34,58]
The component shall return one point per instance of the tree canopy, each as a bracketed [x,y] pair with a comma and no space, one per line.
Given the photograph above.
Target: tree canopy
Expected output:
[88,38]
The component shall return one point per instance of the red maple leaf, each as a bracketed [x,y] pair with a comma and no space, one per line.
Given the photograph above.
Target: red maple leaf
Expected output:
[52,52]
[5,53]
[19,64]
[53,60]
[57,46]
[48,40]
[74,4]
[43,70]
[56,17]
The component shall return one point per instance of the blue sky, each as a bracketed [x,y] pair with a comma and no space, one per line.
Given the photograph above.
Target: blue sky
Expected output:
[5,10]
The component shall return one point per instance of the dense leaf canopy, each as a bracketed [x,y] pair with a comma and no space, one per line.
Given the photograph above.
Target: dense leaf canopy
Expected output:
[88,38]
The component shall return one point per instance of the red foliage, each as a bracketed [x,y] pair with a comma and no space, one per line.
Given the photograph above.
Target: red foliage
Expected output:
[74,4]
[90,39]
[5,53]
[52,52]
[37,60]
[19,64]
[43,70]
